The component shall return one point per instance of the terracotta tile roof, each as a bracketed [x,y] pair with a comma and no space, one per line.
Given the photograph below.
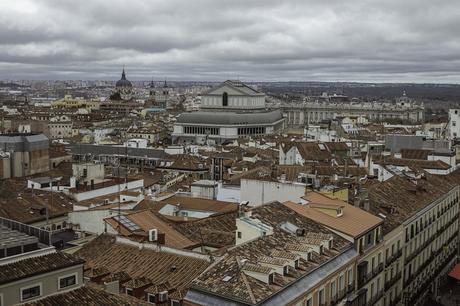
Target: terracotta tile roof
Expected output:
[87,296]
[158,288]
[256,268]
[415,154]
[157,267]
[398,198]
[353,221]
[187,163]
[147,220]
[199,204]
[337,146]
[227,278]
[414,164]
[20,204]
[312,151]
[138,282]
[217,230]
[37,265]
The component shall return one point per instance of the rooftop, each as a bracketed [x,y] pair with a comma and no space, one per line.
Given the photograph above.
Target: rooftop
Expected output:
[158,267]
[140,222]
[351,220]
[87,296]
[37,265]
[400,197]
[227,277]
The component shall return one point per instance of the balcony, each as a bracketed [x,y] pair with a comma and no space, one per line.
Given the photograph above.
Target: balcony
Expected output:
[393,258]
[393,280]
[350,288]
[369,276]
[375,298]
[395,300]
[335,300]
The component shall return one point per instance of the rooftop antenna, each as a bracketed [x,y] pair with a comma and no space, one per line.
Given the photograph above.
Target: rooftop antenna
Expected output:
[119,192]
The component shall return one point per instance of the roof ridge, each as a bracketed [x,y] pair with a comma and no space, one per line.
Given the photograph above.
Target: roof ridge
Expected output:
[248,286]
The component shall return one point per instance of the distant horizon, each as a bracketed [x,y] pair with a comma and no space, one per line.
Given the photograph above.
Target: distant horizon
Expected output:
[5,81]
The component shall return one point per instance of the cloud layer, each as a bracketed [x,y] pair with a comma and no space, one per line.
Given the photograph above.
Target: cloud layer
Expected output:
[355,40]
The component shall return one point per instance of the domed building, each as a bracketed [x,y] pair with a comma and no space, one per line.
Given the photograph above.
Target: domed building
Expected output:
[123,88]
[229,111]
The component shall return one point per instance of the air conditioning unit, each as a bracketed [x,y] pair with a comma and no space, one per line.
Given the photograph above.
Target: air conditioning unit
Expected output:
[153,235]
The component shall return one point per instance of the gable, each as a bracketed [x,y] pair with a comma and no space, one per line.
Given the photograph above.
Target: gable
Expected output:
[230,89]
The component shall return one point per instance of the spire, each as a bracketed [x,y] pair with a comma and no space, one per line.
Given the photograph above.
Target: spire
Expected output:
[165,85]
[123,74]
[152,85]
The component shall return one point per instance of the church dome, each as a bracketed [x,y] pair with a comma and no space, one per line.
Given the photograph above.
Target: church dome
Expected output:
[123,82]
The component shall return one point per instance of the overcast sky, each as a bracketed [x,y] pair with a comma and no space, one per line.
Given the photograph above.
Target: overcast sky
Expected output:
[266,40]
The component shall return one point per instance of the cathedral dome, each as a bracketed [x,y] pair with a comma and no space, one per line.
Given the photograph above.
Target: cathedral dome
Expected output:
[123,82]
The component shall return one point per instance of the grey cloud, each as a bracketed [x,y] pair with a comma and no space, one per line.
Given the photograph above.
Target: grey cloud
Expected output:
[412,40]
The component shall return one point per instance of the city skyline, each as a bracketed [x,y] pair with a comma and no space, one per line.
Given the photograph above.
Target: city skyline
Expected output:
[363,41]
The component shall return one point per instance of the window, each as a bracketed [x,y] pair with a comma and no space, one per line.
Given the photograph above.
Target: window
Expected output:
[350,277]
[321,297]
[129,291]
[332,290]
[285,270]
[239,235]
[67,281]
[31,292]
[163,297]
[271,278]
[309,302]
[175,303]
[224,99]
[151,298]
[341,283]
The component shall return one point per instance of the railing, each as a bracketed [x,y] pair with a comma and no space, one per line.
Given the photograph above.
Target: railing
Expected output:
[393,280]
[396,299]
[350,288]
[393,257]
[369,276]
[42,235]
[374,299]
[335,300]
[421,247]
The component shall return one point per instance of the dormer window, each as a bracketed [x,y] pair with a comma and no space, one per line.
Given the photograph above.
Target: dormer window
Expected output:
[271,278]
[285,270]
[163,297]
[296,263]
[152,299]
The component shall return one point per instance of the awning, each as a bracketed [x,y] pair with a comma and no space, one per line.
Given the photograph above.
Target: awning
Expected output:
[455,272]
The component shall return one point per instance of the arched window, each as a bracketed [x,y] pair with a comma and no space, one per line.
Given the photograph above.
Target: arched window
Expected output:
[224,99]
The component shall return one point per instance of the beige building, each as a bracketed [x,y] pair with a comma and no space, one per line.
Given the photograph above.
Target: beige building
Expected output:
[361,228]
[420,233]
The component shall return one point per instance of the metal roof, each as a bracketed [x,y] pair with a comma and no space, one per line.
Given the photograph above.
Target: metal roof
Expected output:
[230,118]
[82,149]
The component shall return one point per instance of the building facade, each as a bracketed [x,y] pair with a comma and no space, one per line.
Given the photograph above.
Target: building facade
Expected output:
[404,110]
[228,111]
